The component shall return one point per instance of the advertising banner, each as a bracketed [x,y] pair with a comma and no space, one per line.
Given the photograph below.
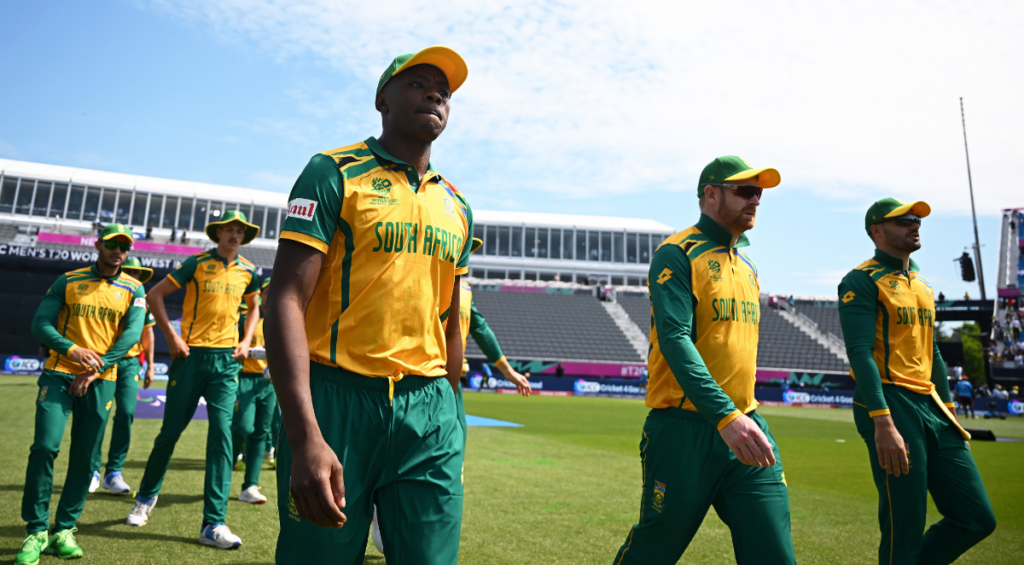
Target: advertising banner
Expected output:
[841,381]
[568,368]
[809,398]
[27,365]
[140,244]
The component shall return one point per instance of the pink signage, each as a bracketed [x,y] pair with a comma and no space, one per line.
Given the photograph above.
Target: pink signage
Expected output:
[599,369]
[90,241]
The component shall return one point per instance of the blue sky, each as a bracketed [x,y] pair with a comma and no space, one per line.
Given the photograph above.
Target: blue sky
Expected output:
[575,107]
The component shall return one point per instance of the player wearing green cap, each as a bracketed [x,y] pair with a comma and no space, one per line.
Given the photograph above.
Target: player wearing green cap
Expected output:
[125,396]
[902,407]
[89,319]
[374,246]
[703,443]
[207,357]
[254,411]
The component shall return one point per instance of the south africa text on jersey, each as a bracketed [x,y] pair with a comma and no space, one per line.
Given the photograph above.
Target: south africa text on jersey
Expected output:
[91,312]
[403,237]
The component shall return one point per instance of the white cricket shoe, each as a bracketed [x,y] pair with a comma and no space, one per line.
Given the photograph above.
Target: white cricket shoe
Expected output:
[143,508]
[375,532]
[219,536]
[252,496]
[94,485]
[114,482]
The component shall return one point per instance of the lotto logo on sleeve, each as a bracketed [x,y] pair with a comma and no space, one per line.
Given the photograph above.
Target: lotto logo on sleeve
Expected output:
[302,209]
[140,302]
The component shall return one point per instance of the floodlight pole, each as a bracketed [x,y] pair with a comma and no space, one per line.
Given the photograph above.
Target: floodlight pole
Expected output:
[974,215]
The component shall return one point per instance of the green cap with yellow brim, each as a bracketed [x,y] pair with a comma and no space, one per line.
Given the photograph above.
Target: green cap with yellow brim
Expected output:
[133,263]
[114,230]
[892,208]
[731,168]
[251,230]
[477,242]
[446,60]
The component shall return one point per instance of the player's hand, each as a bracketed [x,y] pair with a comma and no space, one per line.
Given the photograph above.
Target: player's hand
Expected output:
[80,385]
[521,382]
[87,358]
[149,376]
[748,442]
[317,485]
[892,451]
[241,352]
[178,347]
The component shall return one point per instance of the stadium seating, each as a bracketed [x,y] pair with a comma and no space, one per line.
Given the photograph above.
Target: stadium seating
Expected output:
[566,327]
[825,313]
[782,346]
[639,310]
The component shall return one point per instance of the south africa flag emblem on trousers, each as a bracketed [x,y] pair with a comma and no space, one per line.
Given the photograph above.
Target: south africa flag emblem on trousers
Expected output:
[659,496]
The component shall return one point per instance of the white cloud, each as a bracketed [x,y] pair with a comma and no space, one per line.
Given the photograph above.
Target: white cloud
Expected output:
[580,99]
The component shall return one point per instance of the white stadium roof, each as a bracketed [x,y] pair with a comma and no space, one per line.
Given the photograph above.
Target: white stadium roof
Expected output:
[92,177]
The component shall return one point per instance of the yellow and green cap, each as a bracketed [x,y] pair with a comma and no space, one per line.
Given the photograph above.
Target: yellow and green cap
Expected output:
[477,242]
[133,263]
[731,168]
[891,208]
[448,61]
[113,230]
[251,230]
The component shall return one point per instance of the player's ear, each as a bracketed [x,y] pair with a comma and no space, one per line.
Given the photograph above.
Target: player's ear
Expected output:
[381,103]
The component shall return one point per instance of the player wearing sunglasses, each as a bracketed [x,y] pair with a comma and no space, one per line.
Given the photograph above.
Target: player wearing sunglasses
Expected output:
[902,406]
[703,442]
[90,318]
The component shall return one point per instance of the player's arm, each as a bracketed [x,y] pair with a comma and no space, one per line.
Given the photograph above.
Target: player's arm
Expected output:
[148,339]
[249,327]
[673,305]
[453,339]
[44,330]
[488,343]
[317,484]
[940,378]
[131,329]
[155,298]
[858,312]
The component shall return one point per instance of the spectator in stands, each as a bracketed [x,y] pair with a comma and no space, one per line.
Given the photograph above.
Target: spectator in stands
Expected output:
[149,232]
[958,372]
[942,297]
[967,296]
[1015,326]
[559,370]
[174,234]
[1015,392]
[184,237]
[965,395]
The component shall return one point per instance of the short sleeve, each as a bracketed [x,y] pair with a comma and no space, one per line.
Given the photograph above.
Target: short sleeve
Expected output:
[150,320]
[254,285]
[462,267]
[314,204]
[184,273]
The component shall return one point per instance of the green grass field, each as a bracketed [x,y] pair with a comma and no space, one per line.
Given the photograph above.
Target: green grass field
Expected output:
[563,489]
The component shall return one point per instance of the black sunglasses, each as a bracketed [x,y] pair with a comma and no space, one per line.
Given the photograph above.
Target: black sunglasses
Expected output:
[112,244]
[744,191]
[904,221]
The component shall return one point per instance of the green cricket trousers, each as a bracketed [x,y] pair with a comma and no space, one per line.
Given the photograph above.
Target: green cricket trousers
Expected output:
[940,463]
[687,468]
[213,375]
[53,406]
[126,394]
[254,413]
[402,452]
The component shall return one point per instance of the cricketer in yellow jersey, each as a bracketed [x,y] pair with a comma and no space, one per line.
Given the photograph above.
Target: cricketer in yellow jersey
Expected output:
[89,319]
[703,443]
[125,396]
[207,357]
[374,245]
[902,406]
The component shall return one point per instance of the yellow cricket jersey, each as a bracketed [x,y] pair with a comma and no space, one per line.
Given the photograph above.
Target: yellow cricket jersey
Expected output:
[889,312]
[394,245]
[82,309]
[136,349]
[705,310]
[214,289]
[252,365]
[465,311]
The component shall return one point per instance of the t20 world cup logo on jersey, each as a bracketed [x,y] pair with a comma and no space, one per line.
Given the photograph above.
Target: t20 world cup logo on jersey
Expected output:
[715,268]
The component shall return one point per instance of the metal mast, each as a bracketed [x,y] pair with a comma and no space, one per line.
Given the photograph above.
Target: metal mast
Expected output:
[974,216]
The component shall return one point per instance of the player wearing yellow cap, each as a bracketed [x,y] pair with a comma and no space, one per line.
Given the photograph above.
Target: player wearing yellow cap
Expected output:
[254,411]
[902,405]
[364,366]
[207,357]
[89,319]
[703,443]
[125,396]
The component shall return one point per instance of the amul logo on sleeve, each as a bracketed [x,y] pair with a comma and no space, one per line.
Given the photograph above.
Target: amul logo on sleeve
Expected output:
[302,208]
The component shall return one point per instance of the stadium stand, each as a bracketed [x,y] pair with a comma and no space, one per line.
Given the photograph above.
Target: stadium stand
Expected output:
[783,346]
[824,312]
[559,327]
[639,310]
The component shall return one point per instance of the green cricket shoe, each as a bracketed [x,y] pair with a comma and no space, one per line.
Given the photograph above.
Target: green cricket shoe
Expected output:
[64,546]
[31,548]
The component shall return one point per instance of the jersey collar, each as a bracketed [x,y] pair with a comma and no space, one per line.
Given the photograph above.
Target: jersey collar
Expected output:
[718,234]
[96,273]
[896,263]
[410,172]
